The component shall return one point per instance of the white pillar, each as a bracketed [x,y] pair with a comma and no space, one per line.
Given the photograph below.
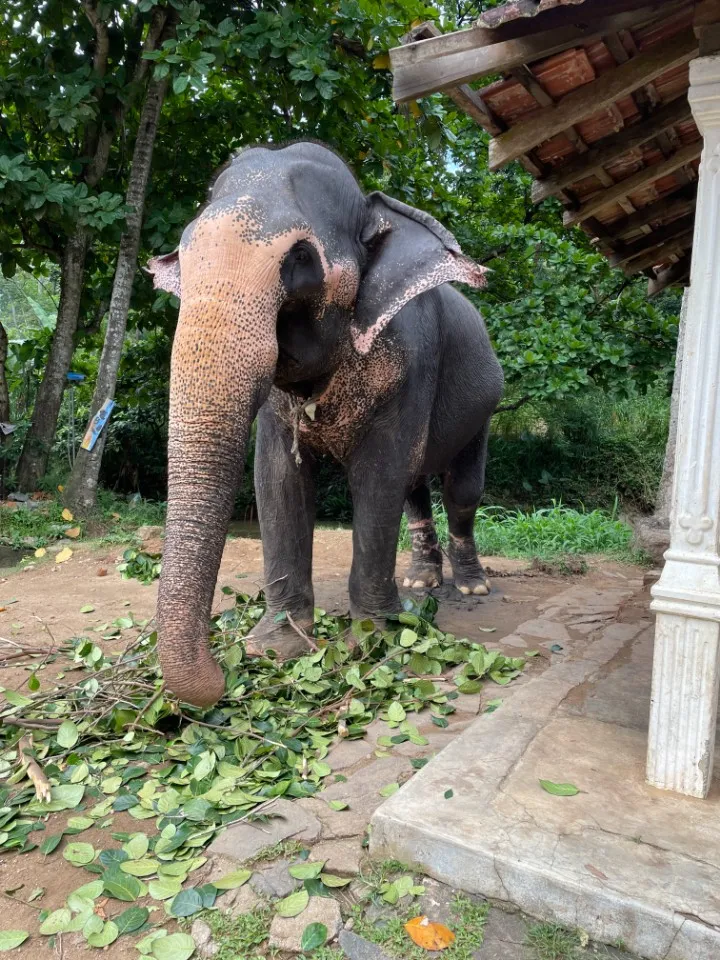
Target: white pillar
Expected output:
[686,666]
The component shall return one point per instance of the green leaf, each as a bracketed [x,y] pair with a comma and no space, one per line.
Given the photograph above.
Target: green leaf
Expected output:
[306,871]
[145,945]
[131,919]
[10,939]
[396,712]
[197,809]
[314,935]
[164,888]
[559,789]
[293,905]
[67,735]
[137,846]
[389,789]
[79,854]
[186,903]
[50,843]
[176,946]
[330,880]
[338,804]
[106,936]
[88,608]
[140,868]
[449,794]
[90,891]
[233,880]
[119,885]
[80,823]
[57,922]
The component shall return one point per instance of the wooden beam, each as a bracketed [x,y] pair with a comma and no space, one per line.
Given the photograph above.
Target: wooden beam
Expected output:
[418,46]
[592,97]
[659,254]
[624,187]
[612,148]
[671,205]
[657,238]
[434,64]
[678,273]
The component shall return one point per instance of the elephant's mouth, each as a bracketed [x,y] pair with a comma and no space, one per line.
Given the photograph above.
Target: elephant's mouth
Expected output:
[302,361]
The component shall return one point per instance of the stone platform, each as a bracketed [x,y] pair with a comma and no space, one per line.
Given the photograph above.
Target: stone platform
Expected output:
[630,865]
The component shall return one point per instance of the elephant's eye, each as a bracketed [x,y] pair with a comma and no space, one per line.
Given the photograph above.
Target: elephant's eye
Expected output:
[301,271]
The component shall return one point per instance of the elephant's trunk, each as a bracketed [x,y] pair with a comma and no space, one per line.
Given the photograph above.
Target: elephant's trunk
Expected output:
[224,357]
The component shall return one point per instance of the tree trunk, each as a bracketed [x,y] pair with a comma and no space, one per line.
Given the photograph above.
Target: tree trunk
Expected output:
[82,488]
[4,391]
[38,442]
[664,497]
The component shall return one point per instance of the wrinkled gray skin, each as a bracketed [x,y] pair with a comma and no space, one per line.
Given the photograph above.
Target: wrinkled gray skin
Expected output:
[328,315]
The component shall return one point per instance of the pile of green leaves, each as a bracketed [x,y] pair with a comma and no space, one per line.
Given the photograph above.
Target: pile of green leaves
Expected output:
[140,565]
[111,739]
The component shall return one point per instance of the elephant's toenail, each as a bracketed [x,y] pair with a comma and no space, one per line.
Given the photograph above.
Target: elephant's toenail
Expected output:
[407,582]
[419,585]
[465,591]
[481,590]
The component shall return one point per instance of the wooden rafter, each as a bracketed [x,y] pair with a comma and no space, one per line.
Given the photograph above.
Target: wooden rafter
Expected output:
[447,60]
[625,187]
[671,206]
[612,148]
[676,274]
[592,97]
[657,238]
[659,254]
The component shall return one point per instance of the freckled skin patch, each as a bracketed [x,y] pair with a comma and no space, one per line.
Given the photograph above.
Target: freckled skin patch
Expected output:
[298,290]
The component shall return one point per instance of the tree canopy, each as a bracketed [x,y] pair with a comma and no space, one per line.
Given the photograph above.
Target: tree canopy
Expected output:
[71,79]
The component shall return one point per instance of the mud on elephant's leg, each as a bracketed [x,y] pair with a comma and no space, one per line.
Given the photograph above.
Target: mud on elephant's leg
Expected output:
[426,568]
[285,493]
[463,488]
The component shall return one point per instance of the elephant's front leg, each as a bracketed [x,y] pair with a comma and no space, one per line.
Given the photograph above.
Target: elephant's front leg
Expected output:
[285,494]
[378,475]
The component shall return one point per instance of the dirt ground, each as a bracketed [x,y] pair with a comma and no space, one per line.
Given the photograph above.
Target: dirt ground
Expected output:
[42,607]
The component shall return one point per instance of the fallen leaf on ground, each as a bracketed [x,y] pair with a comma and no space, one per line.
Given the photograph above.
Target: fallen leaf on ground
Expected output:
[66,515]
[430,936]
[559,789]
[595,872]
[64,555]
[73,533]
[40,552]
[102,571]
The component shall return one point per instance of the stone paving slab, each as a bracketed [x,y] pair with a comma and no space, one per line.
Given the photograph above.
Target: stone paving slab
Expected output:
[620,860]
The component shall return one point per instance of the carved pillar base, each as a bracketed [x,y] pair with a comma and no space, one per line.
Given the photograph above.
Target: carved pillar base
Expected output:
[686,665]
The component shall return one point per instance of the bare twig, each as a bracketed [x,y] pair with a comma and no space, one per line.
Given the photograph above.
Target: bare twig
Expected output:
[34,772]
[301,633]
[151,702]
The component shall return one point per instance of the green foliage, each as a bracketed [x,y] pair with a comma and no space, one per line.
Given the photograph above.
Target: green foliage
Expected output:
[193,771]
[550,941]
[139,565]
[546,533]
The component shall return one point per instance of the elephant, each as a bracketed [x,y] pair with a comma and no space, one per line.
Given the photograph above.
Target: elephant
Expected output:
[328,315]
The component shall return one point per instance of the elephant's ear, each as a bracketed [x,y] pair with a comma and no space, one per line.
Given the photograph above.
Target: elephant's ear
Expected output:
[410,252]
[165,271]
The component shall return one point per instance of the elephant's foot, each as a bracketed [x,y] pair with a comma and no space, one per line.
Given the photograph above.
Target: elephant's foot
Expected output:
[470,578]
[286,641]
[426,568]
[423,576]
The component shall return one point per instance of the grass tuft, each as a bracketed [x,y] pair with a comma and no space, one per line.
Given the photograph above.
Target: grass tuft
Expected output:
[553,942]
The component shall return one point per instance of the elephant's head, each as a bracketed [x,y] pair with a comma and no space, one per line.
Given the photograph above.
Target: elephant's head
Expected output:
[287,264]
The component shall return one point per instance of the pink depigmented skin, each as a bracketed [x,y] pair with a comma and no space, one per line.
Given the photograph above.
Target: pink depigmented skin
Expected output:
[453,267]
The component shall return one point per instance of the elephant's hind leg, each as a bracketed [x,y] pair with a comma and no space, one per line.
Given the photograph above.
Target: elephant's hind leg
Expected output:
[285,493]
[426,568]
[464,483]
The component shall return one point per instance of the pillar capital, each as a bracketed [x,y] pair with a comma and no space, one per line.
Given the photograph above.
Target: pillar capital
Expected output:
[704,92]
